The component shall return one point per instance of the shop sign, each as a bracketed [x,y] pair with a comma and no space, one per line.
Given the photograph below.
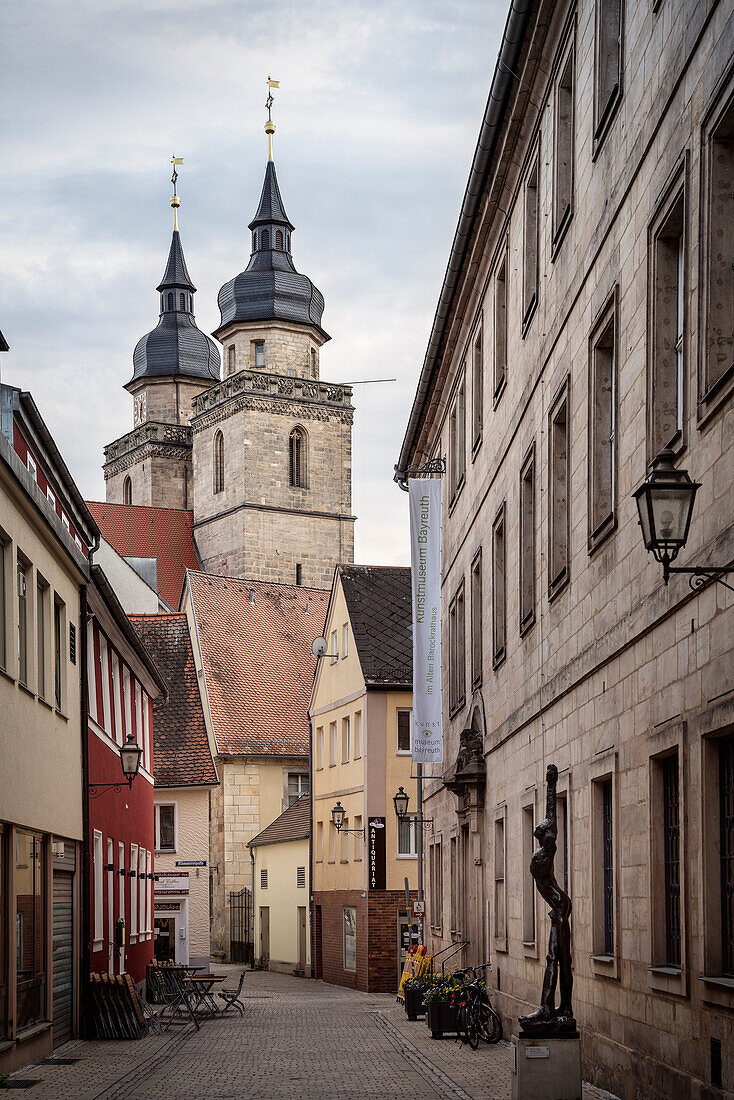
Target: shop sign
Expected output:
[191,863]
[425,561]
[376,848]
[168,907]
[171,882]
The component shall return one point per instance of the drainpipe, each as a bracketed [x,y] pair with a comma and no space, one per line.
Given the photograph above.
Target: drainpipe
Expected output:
[86,870]
[252,869]
[310,846]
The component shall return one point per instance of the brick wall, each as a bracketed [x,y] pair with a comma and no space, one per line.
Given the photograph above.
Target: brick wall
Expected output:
[377,938]
[383,948]
[332,903]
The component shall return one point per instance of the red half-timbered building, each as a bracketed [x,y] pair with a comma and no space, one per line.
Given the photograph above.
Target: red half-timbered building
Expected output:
[122,682]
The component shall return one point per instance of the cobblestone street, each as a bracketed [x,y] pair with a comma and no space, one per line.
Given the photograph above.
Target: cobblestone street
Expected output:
[298,1038]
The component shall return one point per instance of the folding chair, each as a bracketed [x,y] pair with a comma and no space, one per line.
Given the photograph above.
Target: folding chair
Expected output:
[232,996]
[144,1013]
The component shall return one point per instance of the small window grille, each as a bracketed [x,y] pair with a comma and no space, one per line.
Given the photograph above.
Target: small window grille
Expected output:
[265,239]
[182,301]
[72,643]
[264,878]
[301,878]
[279,238]
[170,301]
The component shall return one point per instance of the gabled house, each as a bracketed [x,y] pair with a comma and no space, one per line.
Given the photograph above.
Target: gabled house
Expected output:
[280,891]
[252,644]
[361,712]
[184,779]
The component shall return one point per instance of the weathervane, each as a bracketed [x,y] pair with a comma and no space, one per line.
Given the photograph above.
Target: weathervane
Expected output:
[175,200]
[270,125]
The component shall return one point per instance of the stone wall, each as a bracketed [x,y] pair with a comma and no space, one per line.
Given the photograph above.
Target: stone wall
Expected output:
[289,349]
[159,467]
[612,672]
[168,400]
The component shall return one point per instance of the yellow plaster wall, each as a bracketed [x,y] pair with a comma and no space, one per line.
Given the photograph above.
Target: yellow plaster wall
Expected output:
[283,898]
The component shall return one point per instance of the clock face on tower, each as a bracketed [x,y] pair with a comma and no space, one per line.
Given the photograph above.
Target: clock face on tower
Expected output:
[139,409]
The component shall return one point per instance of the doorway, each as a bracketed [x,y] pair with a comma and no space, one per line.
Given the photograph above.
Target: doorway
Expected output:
[165,939]
[408,937]
[264,936]
[302,939]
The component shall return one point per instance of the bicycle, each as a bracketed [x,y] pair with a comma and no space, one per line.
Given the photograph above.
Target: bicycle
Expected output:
[476,1019]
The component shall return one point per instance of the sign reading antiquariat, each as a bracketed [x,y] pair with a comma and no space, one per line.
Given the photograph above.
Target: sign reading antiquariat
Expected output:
[376,852]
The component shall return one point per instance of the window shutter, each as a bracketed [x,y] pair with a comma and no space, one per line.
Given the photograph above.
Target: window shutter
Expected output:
[301,878]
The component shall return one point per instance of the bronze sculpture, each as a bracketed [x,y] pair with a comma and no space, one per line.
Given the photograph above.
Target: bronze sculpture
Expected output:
[549,1020]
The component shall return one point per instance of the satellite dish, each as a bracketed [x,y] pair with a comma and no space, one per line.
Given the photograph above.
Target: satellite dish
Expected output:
[318,647]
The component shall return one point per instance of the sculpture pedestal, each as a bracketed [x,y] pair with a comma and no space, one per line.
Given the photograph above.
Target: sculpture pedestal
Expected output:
[546,1069]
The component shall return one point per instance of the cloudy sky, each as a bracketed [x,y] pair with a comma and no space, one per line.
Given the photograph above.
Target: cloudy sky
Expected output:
[378,112]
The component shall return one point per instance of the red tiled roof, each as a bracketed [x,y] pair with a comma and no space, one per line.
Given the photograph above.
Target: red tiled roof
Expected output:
[136,531]
[181,754]
[258,664]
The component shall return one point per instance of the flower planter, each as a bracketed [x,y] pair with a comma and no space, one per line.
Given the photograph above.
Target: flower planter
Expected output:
[414,1006]
[441,1019]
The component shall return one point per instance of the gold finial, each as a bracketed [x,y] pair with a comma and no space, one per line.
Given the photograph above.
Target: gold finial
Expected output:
[175,200]
[270,125]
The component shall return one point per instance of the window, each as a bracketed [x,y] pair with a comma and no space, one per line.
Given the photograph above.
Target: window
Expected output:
[170,301]
[265,239]
[717,299]
[31,464]
[141,891]
[165,828]
[527,542]
[313,363]
[300,871]
[121,872]
[671,860]
[345,740]
[563,159]
[344,838]
[259,353]
[127,491]
[454,883]
[147,760]
[218,471]
[436,884]
[51,497]
[357,734]
[528,885]
[263,878]
[319,841]
[608,838]
[58,653]
[133,900]
[406,836]
[666,370]
[558,492]
[500,329]
[608,65]
[149,893]
[22,625]
[319,747]
[182,301]
[334,648]
[297,785]
[726,829]
[530,244]
[603,867]
[405,722]
[500,894]
[279,238]
[476,620]
[116,697]
[602,427]
[499,595]
[3,611]
[41,595]
[105,677]
[477,389]
[231,359]
[350,938]
[332,745]
[31,933]
[345,640]
[457,444]
[138,716]
[332,842]
[298,456]
[299,573]
[358,837]
[98,891]
[457,659]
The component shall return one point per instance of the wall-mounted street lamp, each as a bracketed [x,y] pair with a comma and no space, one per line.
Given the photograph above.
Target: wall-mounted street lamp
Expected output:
[665,505]
[400,801]
[130,757]
[337,816]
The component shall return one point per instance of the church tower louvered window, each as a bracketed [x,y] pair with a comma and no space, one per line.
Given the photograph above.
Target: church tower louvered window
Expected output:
[127,491]
[298,458]
[219,463]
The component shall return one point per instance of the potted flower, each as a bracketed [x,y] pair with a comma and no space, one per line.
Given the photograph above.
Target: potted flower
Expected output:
[413,993]
[439,1001]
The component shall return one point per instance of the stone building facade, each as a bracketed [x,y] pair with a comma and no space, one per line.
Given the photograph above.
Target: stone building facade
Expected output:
[585,322]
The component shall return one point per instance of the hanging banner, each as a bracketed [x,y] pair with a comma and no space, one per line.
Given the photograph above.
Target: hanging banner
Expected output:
[425,560]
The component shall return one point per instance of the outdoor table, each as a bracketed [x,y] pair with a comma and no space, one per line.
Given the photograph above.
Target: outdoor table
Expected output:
[206,983]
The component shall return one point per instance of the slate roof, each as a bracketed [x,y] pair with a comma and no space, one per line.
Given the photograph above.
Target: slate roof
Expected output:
[136,531]
[293,824]
[270,288]
[257,660]
[181,756]
[176,273]
[378,600]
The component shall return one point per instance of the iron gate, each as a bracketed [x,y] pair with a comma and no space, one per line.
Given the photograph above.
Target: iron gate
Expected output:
[240,927]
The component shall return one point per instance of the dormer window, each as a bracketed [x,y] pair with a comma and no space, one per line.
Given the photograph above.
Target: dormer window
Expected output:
[265,239]
[279,239]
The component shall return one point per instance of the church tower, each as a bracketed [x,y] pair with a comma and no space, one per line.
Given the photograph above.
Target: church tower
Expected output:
[174,363]
[272,442]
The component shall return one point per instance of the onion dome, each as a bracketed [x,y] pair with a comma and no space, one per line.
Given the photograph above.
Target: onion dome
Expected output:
[270,288]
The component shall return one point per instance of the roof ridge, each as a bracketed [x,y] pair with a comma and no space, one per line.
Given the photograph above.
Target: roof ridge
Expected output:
[140,507]
[253,581]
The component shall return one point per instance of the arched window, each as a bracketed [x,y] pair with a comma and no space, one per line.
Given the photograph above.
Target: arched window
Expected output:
[127,491]
[254,242]
[219,463]
[170,301]
[279,238]
[265,239]
[231,358]
[313,362]
[298,451]
[182,301]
